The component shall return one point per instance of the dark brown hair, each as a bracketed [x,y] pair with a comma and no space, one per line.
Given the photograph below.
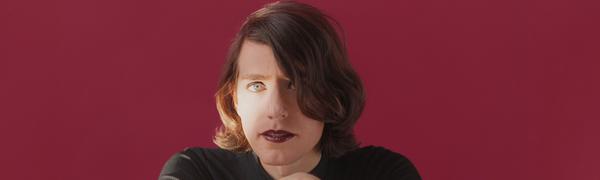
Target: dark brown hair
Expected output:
[310,52]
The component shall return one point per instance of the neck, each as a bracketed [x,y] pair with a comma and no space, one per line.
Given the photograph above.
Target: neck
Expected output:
[305,164]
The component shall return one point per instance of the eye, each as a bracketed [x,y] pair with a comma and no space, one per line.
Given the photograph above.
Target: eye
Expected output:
[291,86]
[256,86]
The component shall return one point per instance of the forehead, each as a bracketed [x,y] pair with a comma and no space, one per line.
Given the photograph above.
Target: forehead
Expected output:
[257,58]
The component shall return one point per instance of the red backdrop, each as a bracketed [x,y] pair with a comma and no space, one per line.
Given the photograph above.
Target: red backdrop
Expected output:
[467,89]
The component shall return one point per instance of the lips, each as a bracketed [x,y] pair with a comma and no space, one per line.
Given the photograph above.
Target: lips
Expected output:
[277,136]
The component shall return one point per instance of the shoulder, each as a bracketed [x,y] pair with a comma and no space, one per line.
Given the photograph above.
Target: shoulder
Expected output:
[374,152]
[375,161]
[199,163]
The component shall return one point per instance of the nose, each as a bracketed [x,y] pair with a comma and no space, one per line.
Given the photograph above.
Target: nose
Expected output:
[278,107]
[281,115]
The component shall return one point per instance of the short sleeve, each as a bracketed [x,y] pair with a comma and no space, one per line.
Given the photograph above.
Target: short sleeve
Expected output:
[181,166]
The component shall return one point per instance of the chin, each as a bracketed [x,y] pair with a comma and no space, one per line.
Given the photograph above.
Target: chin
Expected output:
[277,157]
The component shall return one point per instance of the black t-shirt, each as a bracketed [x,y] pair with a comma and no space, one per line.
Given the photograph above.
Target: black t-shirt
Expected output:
[369,162]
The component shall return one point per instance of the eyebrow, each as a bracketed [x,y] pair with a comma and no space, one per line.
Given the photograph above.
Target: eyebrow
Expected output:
[254,77]
[257,77]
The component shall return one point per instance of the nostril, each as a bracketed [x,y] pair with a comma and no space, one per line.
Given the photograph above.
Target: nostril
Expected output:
[283,116]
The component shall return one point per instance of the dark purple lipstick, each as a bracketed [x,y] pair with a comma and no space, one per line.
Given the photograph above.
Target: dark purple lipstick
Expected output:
[277,136]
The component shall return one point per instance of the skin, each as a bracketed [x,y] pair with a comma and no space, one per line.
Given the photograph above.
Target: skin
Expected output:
[266,100]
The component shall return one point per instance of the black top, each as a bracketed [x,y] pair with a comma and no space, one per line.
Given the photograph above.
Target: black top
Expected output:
[364,163]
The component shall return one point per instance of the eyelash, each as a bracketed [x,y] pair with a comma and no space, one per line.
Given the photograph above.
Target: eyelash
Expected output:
[254,83]
[290,85]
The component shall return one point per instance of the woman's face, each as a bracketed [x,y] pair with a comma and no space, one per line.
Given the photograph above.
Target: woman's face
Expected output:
[278,132]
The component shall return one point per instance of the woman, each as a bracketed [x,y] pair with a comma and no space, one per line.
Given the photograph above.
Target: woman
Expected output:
[288,100]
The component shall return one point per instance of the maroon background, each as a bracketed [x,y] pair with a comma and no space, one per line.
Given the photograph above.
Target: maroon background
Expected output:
[467,89]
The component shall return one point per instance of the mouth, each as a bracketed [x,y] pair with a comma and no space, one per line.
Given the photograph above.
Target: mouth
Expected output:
[277,136]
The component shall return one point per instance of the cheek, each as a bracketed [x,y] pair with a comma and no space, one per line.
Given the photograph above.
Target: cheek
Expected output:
[314,129]
[248,110]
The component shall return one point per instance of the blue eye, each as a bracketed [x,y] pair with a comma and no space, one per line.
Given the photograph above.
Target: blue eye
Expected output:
[256,86]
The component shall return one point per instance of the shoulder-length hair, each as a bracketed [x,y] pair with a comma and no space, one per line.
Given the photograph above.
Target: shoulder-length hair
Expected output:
[310,52]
